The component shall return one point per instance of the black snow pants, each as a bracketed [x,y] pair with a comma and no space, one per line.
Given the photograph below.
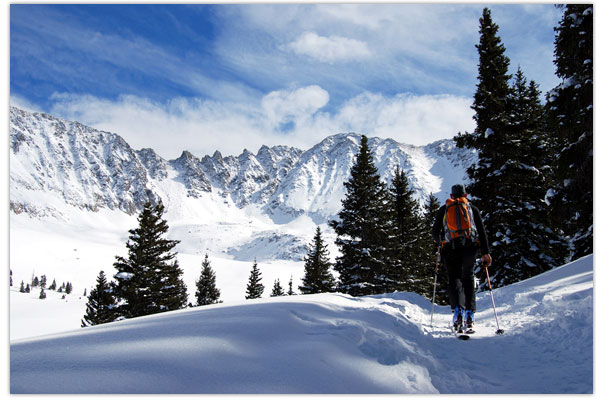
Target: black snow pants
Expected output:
[460,270]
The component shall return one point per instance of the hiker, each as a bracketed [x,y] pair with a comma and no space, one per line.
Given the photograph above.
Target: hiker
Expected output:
[458,227]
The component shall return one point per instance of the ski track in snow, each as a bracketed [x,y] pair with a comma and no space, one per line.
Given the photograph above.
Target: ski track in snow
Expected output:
[331,343]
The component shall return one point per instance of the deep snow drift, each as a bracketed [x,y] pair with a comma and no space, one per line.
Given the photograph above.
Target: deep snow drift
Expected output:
[331,343]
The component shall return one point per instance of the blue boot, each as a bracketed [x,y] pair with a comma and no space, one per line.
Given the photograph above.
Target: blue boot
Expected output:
[458,319]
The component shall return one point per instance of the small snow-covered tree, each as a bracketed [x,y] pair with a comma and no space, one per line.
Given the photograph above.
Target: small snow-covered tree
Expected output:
[317,268]
[100,304]
[42,294]
[207,293]
[278,290]
[254,289]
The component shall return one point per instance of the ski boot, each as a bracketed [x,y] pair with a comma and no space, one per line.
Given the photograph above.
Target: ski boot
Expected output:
[458,326]
[469,315]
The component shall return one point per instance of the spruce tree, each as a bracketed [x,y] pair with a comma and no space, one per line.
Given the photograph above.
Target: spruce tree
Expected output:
[526,246]
[149,280]
[100,303]
[290,287]
[28,288]
[317,268]
[254,289]
[42,294]
[207,293]
[570,111]
[53,285]
[491,138]
[43,281]
[362,228]
[278,290]
[431,208]
[22,289]
[405,268]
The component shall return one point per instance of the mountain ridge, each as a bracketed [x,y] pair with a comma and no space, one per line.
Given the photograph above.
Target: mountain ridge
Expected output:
[92,169]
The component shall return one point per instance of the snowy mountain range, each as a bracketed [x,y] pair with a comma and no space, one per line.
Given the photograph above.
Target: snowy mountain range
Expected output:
[54,162]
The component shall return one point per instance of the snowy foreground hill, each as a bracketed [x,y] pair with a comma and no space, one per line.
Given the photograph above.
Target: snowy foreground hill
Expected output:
[331,343]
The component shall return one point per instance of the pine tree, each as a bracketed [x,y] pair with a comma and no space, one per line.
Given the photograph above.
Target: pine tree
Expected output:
[42,294]
[317,275]
[290,287]
[28,288]
[406,270]
[207,293]
[254,289]
[100,303]
[35,282]
[43,282]
[526,246]
[491,138]
[149,280]
[431,208]
[570,111]
[278,290]
[22,289]
[362,228]
[53,285]
[68,288]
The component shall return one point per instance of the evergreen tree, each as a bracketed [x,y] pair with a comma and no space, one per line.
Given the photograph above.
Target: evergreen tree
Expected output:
[42,293]
[431,208]
[405,269]
[149,280]
[278,290]
[35,282]
[28,288]
[526,246]
[254,289]
[362,228]
[207,293]
[68,288]
[53,285]
[22,289]
[570,111]
[43,282]
[100,304]
[317,274]
[290,287]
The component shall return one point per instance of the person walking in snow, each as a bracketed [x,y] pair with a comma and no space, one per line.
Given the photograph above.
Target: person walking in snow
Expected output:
[458,227]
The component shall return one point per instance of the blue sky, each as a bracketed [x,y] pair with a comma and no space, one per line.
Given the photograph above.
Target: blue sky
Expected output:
[233,76]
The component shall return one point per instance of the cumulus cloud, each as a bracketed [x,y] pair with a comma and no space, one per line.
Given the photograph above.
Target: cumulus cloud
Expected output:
[294,117]
[293,105]
[329,49]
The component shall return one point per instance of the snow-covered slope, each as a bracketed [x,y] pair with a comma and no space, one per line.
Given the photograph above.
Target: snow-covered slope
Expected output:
[330,343]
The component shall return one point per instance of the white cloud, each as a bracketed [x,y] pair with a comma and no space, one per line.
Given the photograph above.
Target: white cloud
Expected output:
[329,49]
[300,104]
[202,126]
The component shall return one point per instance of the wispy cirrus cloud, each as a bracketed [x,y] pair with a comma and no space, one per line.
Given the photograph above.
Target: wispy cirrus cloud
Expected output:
[329,49]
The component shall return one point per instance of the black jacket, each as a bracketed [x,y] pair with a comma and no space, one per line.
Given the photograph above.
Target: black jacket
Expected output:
[439,232]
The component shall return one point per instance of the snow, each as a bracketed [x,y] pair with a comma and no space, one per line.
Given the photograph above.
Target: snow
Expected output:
[329,344]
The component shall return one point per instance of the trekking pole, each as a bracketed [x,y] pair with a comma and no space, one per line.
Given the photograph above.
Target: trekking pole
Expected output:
[435,286]
[499,330]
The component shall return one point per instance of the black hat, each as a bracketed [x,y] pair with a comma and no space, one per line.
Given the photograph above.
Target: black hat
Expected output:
[458,190]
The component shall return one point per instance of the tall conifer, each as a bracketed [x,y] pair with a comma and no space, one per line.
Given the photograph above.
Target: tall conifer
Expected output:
[362,228]
[570,110]
[149,280]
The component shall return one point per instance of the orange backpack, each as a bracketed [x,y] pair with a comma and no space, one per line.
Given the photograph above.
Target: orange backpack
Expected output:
[458,223]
